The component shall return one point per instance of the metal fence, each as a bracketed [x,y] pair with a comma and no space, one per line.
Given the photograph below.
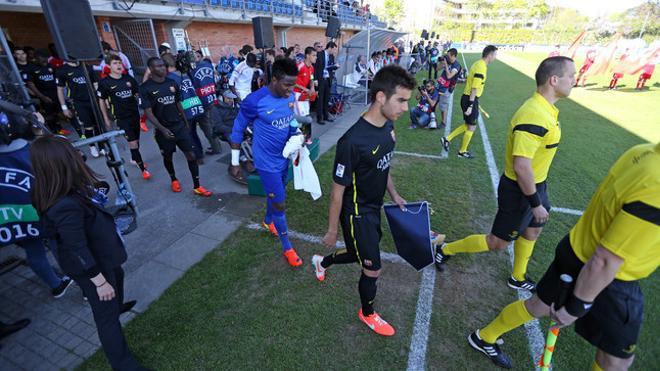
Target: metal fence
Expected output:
[298,10]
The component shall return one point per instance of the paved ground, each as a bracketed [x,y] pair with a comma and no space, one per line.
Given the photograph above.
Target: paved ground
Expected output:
[174,232]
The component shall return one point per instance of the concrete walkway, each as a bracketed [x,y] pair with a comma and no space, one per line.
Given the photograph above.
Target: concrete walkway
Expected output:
[175,231]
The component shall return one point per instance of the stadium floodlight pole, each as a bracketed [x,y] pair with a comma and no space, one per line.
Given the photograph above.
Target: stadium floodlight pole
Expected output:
[366,95]
[641,32]
[553,331]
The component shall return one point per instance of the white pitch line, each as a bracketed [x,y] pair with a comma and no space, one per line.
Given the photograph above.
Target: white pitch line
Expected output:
[420,155]
[392,258]
[443,153]
[567,211]
[420,335]
[532,328]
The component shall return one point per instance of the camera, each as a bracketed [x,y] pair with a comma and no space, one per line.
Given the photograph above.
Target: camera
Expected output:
[185,61]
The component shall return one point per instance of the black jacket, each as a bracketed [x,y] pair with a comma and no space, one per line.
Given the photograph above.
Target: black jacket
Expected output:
[87,238]
[320,64]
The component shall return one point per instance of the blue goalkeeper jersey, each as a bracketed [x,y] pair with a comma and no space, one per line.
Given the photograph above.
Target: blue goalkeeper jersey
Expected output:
[270,117]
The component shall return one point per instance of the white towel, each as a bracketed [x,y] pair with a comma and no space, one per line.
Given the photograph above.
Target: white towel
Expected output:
[304,174]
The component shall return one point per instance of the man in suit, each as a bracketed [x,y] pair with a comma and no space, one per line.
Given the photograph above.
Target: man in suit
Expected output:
[325,68]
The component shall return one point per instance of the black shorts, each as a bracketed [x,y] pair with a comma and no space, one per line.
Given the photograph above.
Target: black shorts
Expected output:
[130,126]
[514,214]
[182,139]
[362,237]
[615,319]
[85,115]
[474,115]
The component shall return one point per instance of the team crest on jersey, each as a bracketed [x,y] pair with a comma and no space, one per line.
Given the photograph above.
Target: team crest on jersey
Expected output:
[50,69]
[291,105]
[172,89]
[128,83]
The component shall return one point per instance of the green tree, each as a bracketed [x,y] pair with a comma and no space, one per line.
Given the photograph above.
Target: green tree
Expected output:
[393,11]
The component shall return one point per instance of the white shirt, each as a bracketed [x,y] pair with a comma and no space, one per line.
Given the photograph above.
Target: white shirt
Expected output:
[241,79]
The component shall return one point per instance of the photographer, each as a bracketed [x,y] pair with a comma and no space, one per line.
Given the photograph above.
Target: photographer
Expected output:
[227,112]
[447,81]
[427,97]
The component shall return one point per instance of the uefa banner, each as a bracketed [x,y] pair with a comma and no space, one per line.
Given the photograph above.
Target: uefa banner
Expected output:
[411,232]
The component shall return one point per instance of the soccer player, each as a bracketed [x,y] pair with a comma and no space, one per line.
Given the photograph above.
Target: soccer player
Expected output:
[647,72]
[612,247]
[71,77]
[360,178]
[522,196]
[618,70]
[270,110]
[474,87]
[192,105]
[304,90]
[43,84]
[588,62]
[119,91]
[162,106]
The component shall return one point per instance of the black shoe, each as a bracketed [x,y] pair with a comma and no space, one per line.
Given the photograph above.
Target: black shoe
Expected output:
[465,154]
[127,306]
[321,122]
[329,120]
[60,290]
[445,144]
[8,329]
[526,284]
[440,258]
[211,152]
[492,351]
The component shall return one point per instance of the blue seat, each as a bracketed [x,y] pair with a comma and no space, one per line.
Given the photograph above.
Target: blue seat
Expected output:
[226,3]
[251,5]
[235,4]
[299,11]
[198,2]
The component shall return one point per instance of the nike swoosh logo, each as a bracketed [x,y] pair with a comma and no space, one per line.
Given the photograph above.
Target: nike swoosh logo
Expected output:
[269,112]
[374,151]
[113,87]
[154,92]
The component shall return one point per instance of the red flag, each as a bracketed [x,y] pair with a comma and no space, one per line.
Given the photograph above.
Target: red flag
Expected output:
[604,58]
[572,49]
[633,66]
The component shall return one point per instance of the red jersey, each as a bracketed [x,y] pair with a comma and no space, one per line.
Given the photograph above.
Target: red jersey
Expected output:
[305,75]
[55,62]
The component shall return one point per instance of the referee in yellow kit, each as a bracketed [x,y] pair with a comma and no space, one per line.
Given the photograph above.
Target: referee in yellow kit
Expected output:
[522,197]
[474,87]
[615,244]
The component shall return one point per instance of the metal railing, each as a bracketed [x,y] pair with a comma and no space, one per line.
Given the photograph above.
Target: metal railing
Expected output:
[299,10]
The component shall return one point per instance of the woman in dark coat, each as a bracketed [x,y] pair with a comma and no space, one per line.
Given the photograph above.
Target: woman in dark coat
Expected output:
[89,248]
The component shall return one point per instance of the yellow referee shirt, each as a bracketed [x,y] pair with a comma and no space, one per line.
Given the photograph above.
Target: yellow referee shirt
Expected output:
[476,78]
[534,133]
[624,214]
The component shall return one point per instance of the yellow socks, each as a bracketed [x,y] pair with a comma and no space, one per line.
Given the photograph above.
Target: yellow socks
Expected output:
[459,130]
[467,136]
[512,316]
[596,366]
[522,251]
[470,244]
